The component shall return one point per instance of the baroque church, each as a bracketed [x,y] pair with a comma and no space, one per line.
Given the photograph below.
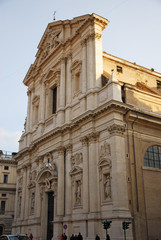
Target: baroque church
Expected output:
[91,149]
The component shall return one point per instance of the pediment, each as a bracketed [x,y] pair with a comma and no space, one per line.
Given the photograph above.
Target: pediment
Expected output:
[76,170]
[104,162]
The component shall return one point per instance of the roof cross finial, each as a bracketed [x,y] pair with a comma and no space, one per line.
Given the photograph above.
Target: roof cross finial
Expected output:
[54,15]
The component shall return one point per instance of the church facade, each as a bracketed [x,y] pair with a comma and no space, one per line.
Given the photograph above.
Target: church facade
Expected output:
[91,150]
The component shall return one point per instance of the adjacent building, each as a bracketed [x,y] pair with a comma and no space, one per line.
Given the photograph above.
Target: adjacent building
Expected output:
[8,175]
[91,150]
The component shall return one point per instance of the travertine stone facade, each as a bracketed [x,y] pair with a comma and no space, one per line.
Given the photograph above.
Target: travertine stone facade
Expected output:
[8,176]
[91,118]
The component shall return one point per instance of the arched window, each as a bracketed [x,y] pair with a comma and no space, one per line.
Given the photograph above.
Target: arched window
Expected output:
[152,157]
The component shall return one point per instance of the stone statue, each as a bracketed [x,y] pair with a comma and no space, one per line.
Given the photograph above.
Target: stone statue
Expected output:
[107,187]
[78,192]
[32,203]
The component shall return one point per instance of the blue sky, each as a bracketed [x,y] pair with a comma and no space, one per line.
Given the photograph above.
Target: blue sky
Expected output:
[134,34]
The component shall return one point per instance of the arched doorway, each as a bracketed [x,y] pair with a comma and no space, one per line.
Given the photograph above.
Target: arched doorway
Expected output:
[47,180]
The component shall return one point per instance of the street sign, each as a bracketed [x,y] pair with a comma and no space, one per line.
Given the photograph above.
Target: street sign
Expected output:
[65,226]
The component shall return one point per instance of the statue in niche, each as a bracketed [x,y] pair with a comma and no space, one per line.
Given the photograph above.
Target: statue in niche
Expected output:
[32,202]
[107,187]
[19,206]
[78,192]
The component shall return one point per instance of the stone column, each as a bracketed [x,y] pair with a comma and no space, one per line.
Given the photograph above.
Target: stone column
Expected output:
[27,193]
[84,141]
[90,62]
[119,183]
[42,102]
[28,111]
[24,192]
[69,80]
[98,58]
[43,210]
[68,90]
[93,181]
[68,188]
[84,66]
[47,101]
[31,111]
[62,84]
[60,189]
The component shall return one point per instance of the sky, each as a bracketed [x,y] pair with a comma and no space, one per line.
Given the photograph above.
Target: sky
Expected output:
[133,34]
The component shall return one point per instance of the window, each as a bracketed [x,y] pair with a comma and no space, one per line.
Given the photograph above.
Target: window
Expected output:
[5,178]
[119,69]
[2,207]
[54,108]
[3,194]
[6,168]
[152,157]
[158,84]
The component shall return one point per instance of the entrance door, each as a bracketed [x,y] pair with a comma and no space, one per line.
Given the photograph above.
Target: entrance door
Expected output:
[50,215]
[1,230]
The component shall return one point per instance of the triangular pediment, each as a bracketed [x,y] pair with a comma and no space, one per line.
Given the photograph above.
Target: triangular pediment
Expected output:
[57,36]
[104,162]
[76,170]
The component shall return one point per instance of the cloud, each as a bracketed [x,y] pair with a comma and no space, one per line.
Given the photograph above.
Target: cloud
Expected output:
[9,140]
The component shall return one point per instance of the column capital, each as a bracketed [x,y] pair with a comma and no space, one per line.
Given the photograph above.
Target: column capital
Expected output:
[60,150]
[84,141]
[68,148]
[116,129]
[93,137]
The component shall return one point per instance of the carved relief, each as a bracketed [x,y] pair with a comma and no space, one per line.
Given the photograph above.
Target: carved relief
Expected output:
[105,150]
[52,43]
[77,159]
[32,178]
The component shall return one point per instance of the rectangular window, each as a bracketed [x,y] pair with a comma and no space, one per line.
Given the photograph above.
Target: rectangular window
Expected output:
[119,69]
[6,168]
[3,194]
[5,178]
[54,100]
[3,207]
[158,84]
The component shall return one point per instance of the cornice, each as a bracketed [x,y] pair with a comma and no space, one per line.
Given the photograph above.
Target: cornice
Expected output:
[112,105]
[12,162]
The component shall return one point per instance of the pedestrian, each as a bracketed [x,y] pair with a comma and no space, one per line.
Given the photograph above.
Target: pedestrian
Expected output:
[62,237]
[72,237]
[79,237]
[108,237]
[31,236]
[97,237]
[65,236]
